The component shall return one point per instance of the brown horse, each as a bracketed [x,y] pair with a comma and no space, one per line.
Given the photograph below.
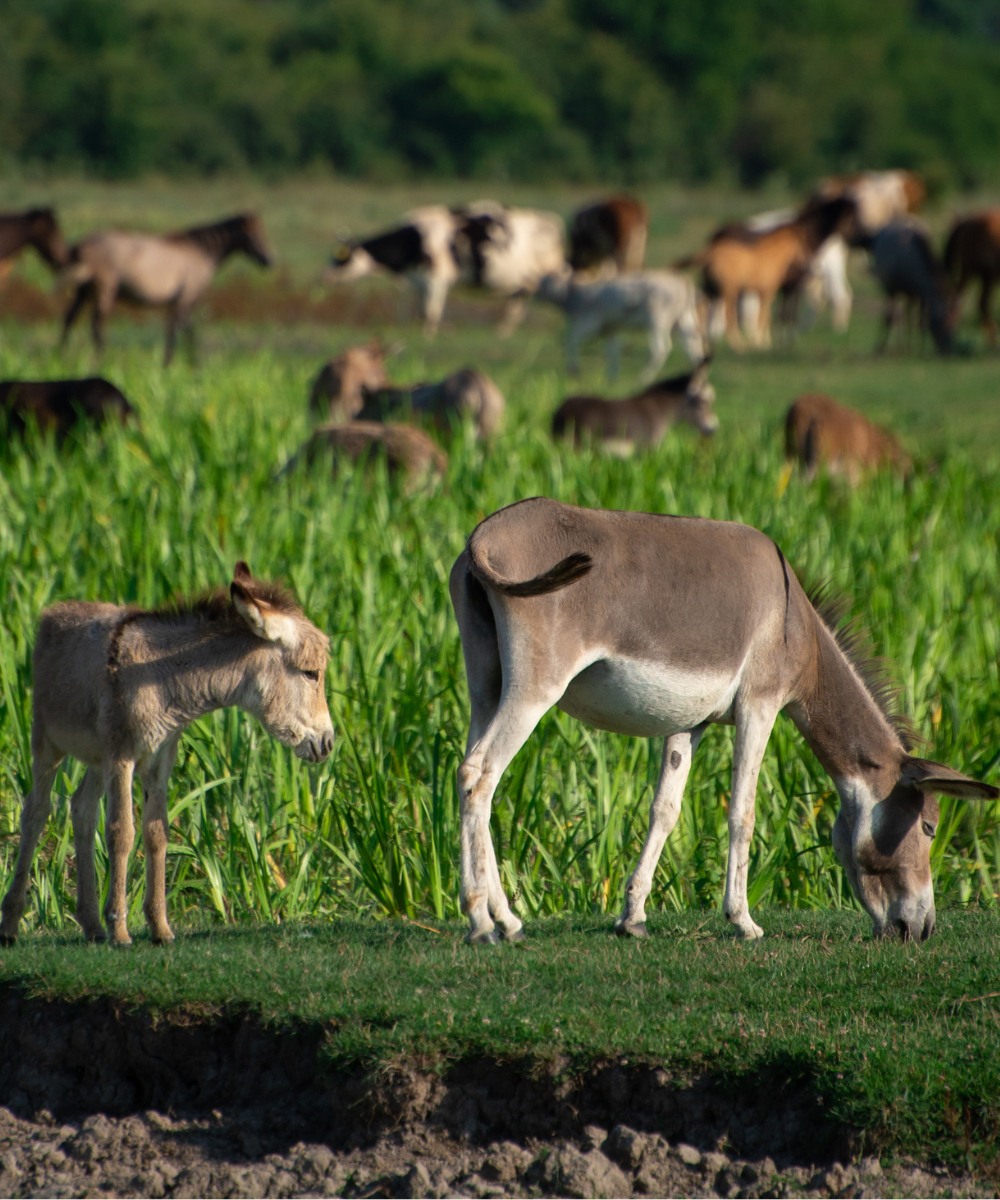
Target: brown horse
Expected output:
[38,228]
[614,230]
[973,250]
[738,260]
[171,272]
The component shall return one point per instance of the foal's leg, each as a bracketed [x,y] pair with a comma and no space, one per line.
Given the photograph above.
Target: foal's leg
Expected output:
[678,751]
[120,827]
[34,814]
[155,832]
[989,325]
[754,722]
[104,302]
[77,303]
[85,807]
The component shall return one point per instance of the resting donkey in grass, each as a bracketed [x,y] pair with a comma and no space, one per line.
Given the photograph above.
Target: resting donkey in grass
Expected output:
[116,687]
[659,626]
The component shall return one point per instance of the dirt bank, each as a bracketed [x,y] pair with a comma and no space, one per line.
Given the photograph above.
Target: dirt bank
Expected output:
[105,1101]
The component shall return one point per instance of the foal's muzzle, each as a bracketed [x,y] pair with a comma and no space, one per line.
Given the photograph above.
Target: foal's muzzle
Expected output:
[315,747]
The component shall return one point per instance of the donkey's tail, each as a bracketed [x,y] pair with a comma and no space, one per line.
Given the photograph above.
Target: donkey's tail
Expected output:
[565,572]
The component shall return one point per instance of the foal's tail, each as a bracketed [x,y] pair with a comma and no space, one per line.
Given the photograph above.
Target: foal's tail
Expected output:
[565,572]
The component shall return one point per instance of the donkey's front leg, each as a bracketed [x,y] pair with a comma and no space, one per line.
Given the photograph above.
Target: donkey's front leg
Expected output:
[121,833]
[754,722]
[85,807]
[155,832]
[35,813]
[483,898]
[678,751]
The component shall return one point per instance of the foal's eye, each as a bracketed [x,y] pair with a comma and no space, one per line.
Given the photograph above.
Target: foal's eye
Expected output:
[928,828]
[313,675]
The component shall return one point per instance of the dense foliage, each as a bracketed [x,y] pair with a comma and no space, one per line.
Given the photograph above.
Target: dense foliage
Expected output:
[629,89]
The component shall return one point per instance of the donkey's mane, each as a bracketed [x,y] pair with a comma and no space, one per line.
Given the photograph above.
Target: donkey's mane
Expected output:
[854,642]
[216,605]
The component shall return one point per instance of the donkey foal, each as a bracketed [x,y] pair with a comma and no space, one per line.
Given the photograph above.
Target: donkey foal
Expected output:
[116,687]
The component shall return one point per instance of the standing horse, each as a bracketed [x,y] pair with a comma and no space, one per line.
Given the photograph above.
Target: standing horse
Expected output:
[38,228]
[659,626]
[973,249]
[172,272]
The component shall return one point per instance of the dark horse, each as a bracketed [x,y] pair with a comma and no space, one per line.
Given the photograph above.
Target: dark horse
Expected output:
[171,271]
[59,404]
[37,227]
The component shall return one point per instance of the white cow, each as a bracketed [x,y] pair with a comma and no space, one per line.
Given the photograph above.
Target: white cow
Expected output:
[505,250]
[658,301]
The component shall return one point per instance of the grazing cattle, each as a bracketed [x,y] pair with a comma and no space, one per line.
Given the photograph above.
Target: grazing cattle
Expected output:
[640,420]
[58,404]
[505,250]
[738,260]
[657,301]
[38,228]
[880,196]
[116,687]
[659,626]
[614,232]
[171,271]
[818,431]
[906,266]
[409,452]
[973,251]
[338,391]
[466,393]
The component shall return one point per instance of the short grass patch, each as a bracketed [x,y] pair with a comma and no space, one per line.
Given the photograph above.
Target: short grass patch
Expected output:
[901,1041]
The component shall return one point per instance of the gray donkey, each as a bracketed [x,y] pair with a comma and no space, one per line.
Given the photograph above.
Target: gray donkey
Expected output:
[116,687]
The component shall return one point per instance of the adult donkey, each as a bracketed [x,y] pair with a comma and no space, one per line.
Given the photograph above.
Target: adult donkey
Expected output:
[659,626]
[173,271]
[36,227]
[116,688]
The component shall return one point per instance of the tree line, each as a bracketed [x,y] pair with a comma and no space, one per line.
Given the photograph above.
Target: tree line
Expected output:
[618,90]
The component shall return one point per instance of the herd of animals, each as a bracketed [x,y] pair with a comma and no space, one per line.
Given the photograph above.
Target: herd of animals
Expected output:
[640,624]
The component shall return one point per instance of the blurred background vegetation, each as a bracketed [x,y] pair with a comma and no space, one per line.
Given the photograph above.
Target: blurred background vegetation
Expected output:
[742,91]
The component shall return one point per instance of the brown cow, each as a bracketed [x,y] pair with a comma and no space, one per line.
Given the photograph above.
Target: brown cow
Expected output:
[58,404]
[340,387]
[38,228]
[819,430]
[973,250]
[614,230]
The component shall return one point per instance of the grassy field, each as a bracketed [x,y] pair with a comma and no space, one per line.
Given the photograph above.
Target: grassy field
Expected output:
[900,1041]
[170,506]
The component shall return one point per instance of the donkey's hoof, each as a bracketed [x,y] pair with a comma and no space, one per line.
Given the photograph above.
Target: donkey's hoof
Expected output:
[489,938]
[515,935]
[8,939]
[97,936]
[162,939]
[636,930]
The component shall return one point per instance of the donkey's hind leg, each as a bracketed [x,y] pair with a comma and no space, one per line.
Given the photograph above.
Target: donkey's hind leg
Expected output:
[84,291]
[155,832]
[34,814]
[85,807]
[678,750]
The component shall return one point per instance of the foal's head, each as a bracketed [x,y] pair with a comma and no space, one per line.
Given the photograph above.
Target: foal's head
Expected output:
[284,684]
[883,840]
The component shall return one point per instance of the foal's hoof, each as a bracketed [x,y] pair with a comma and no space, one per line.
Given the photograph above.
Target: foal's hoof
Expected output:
[8,939]
[638,930]
[97,936]
[482,939]
[162,939]
[516,935]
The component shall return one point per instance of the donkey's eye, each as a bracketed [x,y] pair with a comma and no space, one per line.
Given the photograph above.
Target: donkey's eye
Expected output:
[928,828]
[313,675]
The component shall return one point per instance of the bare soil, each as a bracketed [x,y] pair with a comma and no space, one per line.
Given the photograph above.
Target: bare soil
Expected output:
[104,1101]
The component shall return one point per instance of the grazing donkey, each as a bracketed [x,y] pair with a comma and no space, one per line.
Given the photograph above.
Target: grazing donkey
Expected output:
[58,404]
[641,420]
[464,393]
[116,687]
[659,626]
[819,430]
[172,271]
[37,227]
[408,451]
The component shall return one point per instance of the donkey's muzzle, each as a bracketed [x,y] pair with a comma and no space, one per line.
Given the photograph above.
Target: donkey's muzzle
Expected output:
[315,749]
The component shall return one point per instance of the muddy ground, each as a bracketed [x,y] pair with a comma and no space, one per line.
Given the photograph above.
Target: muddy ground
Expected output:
[102,1101]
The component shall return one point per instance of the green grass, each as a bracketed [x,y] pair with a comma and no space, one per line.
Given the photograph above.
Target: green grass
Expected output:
[899,1040]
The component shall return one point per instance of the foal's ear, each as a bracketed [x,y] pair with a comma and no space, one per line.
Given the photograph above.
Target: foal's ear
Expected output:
[241,573]
[935,777]
[268,623]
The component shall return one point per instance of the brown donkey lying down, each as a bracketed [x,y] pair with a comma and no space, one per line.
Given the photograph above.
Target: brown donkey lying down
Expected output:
[116,687]
[338,391]
[659,626]
[58,404]
[641,420]
[409,452]
[818,430]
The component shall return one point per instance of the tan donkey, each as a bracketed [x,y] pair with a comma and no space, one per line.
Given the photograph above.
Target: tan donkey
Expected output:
[659,626]
[116,687]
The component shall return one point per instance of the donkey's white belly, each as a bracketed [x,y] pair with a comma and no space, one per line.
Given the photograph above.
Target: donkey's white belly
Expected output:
[647,699]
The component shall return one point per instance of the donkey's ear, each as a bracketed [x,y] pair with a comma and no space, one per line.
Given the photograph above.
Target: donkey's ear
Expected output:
[930,776]
[241,573]
[270,624]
